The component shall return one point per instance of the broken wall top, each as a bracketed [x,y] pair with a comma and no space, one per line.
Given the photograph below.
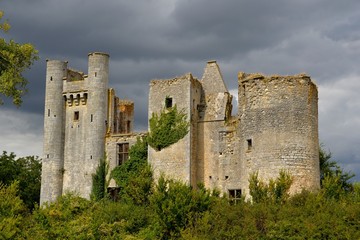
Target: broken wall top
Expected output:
[212,80]
[247,77]
[173,81]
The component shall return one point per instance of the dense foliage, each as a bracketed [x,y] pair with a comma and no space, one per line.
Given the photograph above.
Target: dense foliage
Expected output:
[167,128]
[275,191]
[25,170]
[177,211]
[134,177]
[174,210]
[15,58]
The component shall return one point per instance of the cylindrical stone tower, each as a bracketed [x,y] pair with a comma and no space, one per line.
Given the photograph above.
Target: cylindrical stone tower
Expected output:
[279,129]
[98,78]
[53,159]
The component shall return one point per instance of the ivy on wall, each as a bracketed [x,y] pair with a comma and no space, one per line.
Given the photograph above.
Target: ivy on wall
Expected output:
[167,128]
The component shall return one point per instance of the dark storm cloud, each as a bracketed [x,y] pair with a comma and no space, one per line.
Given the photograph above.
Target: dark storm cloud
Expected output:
[152,39]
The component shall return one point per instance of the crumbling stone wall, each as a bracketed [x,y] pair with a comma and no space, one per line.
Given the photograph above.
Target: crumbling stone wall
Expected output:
[176,160]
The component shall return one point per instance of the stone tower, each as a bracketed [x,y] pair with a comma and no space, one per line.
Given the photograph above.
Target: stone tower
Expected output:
[53,159]
[278,128]
[74,126]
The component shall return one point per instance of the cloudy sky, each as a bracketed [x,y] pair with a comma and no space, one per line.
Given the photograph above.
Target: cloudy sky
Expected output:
[150,39]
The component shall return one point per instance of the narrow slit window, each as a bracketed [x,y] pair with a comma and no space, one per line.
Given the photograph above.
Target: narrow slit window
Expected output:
[51,78]
[91,118]
[95,74]
[249,144]
[168,102]
[48,112]
[128,126]
[76,116]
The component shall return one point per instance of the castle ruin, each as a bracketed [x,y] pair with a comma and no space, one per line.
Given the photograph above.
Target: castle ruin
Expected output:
[276,129]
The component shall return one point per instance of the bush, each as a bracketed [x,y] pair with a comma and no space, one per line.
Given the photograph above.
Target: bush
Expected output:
[177,205]
[167,128]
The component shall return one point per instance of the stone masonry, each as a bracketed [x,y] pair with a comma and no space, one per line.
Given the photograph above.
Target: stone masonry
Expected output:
[276,129]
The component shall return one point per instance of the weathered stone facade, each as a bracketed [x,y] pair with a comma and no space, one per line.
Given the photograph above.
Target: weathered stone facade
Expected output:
[83,122]
[276,129]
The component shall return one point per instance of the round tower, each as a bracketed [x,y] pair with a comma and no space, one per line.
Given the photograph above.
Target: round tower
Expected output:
[97,107]
[53,159]
[279,129]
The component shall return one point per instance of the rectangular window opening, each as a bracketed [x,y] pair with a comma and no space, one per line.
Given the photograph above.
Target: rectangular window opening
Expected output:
[249,144]
[48,112]
[128,126]
[123,153]
[234,195]
[168,102]
[76,116]
[91,118]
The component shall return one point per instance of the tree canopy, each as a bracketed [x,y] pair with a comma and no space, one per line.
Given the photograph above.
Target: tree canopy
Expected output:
[15,58]
[25,170]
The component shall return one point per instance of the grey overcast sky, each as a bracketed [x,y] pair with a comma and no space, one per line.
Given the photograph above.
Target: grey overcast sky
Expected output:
[149,39]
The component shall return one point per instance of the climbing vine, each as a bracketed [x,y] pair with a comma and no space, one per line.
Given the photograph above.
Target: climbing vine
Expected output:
[167,128]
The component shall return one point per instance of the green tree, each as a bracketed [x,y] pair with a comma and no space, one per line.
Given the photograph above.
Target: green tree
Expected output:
[12,210]
[15,58]
[331,169]
[167,128]
[177,205]
[99,183]
[27,171]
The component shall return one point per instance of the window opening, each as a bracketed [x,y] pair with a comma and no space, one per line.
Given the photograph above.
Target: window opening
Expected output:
[234,196]
[51,78]
[91,118]
[168,102]
[128,124]
[123,153]
[76,116]
[95,74]
[48,112]
[249,144]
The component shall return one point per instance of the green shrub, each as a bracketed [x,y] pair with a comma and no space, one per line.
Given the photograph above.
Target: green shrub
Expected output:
[177,205]
[167,128]
[134,177]
[99,183]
